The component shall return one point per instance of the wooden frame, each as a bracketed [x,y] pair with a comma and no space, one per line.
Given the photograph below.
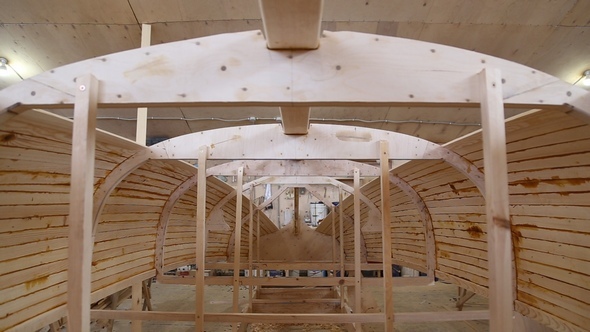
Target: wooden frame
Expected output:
[377,84]
[520,87]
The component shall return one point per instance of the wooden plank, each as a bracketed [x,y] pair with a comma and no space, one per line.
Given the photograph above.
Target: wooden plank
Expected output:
[200,240]
[501,282]
[295,119]
[237,244]
[386,239]
[293,24]
[404,317]
[545,318]
[357,247]
[264,281]
[80,216]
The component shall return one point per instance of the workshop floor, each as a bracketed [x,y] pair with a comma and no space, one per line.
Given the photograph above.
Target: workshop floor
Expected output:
[439,297]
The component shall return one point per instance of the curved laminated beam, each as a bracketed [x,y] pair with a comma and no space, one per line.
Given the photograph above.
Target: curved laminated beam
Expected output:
[335,168]
[162,226]
[335,142]
[112,180]
[348,68]
[311,180]
[426,221]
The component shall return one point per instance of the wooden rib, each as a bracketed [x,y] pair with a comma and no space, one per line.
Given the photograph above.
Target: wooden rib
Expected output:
[293,24]
[80,217]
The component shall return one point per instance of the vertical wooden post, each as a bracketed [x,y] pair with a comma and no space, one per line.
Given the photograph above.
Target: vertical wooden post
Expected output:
[251,246]
[334,236]
[201,239]
[386,236]
[237,244]
[296,210]
[141,128]
[80,242]
[357,246]
[258,236]
[136,304]
[341,229]
[501,285]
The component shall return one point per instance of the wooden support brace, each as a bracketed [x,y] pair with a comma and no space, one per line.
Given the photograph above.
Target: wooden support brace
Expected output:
[357,247]
[341,237]
[386,236]
[80,242]
[201,239]
[237,244]
[501,284]
[290,318]
[251,246]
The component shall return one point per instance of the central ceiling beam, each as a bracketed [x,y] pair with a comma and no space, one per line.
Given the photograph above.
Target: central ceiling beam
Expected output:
[295,120]
[292,25]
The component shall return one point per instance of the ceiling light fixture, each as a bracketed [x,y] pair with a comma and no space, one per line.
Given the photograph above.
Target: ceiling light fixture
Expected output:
[586,78]
[3,66]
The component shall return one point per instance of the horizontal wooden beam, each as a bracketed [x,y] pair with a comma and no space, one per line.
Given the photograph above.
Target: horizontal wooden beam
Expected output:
[265,281]
[266,265]
[296,281]
[402,317]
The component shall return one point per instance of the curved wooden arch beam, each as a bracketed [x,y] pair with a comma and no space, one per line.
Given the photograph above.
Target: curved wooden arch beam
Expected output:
[464,166]
[112,180]
[336,168]
[332,142]
[238,68]
[162,226]
[426,221]
[301,181]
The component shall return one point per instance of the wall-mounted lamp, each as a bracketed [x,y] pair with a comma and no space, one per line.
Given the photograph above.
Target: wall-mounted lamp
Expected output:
[3,66]
[586,78]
